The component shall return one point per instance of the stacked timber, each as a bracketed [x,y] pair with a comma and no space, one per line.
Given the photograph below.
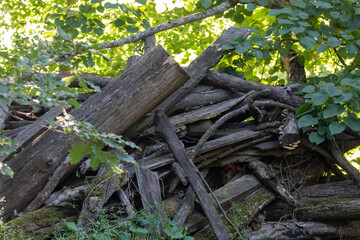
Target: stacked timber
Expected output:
[221,147]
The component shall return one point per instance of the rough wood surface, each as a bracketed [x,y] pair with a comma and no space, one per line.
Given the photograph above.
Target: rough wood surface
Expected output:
[306,230]
[164,128]
[206,60]
[135,93]
[269,178]
[186,208]
[281,94]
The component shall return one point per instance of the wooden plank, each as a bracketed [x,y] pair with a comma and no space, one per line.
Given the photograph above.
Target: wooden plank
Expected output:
[123,101]
[162,125]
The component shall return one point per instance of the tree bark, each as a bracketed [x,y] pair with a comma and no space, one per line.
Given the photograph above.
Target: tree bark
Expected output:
[135,93]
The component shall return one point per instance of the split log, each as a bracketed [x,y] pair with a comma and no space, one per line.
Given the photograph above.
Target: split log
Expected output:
[289,133]
[277,93]
[206,60]
[163,126]
[150,192]
[196,70]
[136,92]
[129,209]
[306,230]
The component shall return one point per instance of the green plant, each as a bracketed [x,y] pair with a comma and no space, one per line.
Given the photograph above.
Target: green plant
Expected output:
[318,31]
[113,226]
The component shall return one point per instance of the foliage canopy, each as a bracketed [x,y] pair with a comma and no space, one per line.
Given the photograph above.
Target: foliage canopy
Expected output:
[52,36]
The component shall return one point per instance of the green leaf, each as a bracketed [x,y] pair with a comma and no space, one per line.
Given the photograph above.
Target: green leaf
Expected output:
[206,3]
[334,91]
[258,54]
[72,226]
[73,33]
[143,2]
[145,24]
[316,35]
[299,3]
[319,98]
[336,128]
[285,21]
[274,12]
[77,152]
[314,137]
[332,110]
[352,122]
[111,5]
[73,23]
[119,22]
[74,103]
[334,42]
[308,89]
[132,29]
[241,49]
[303,109]
[62,33]
[125,157]
[307,42]
[322,4]
[335,14]
[307,120]
[297,30]
[357,11]
[227,46]
[6,170]
[322,48]
[303,15]
[263,3]
[351,48]
[140,231]
[327,31]
[251,7]
[100,9]
[85,8]
[99,31]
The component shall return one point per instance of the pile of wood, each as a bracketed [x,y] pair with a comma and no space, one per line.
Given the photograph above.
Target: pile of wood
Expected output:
[219,151]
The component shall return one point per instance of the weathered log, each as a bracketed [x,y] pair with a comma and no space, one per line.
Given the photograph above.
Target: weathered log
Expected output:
[206,60]
[281,94]
[150,192]
[306,230]
[129,209]
[149,189]
[67,195]
[130,93]
[236,137]
[289,133]
[163,126]
[316,209]
[30,132]
[197,70]
[342,189]
[186,208]
[268,176]
[201,96]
